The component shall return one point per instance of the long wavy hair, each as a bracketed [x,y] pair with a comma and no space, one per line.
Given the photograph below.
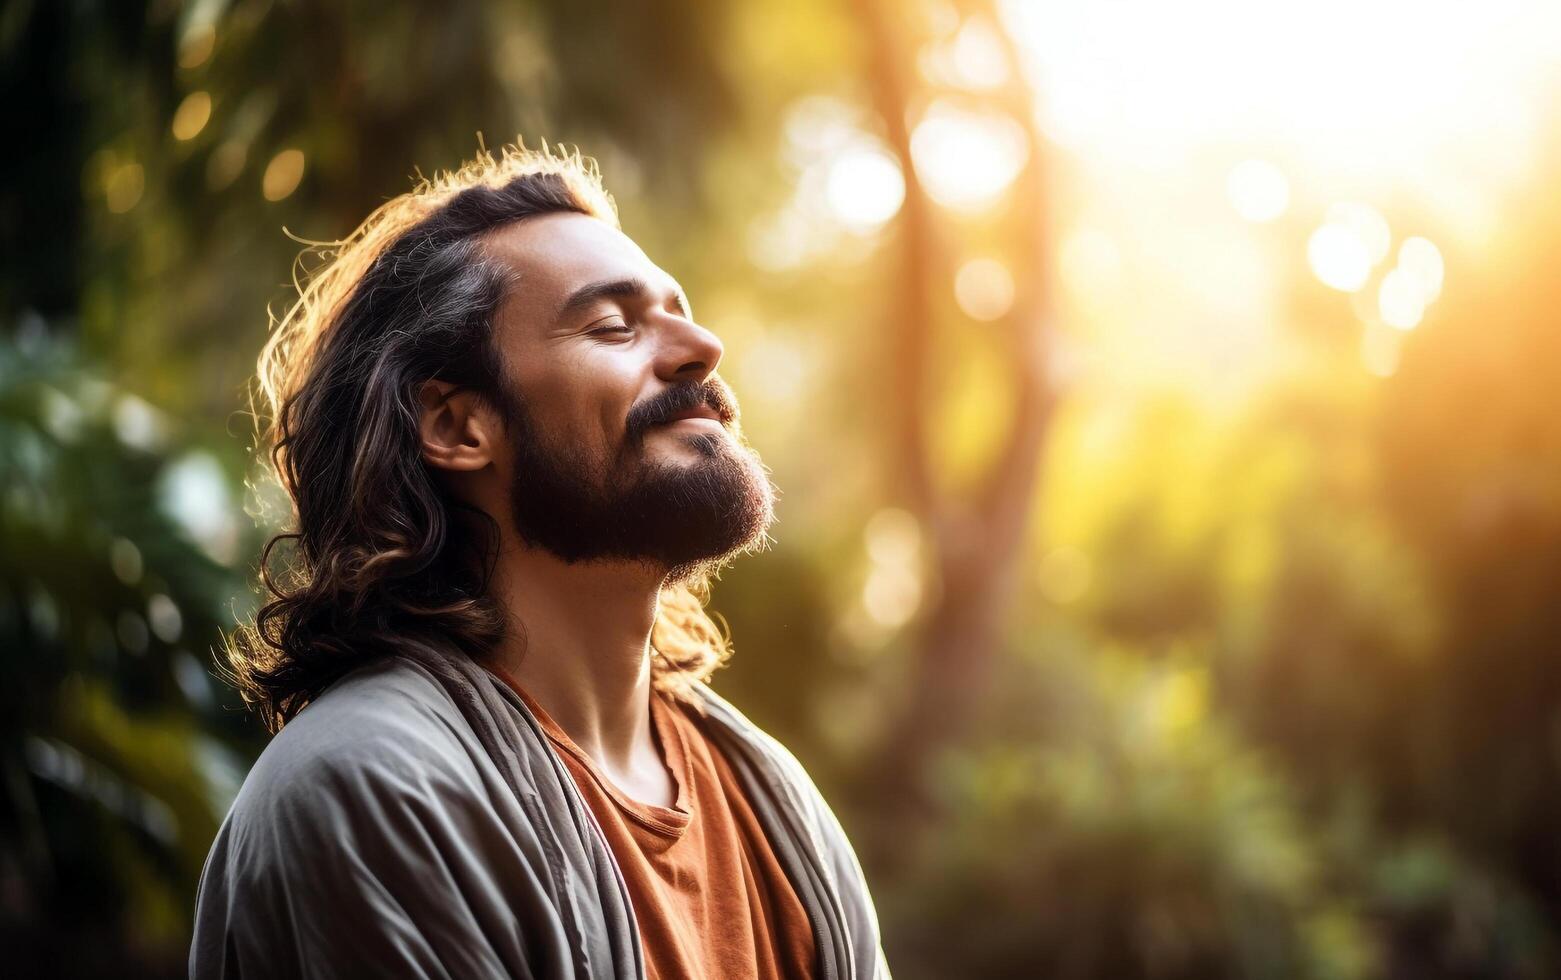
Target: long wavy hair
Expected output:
[380,557]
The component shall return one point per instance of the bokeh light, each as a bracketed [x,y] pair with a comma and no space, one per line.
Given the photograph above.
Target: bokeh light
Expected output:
[123,189]
[1366,224]
[972,59]
[1115,361]
[282,175]
[191,116]
[984,288]
[1381,348]
[1421,262]
[892,591]
[1257,190]
[967,159]
[865,188]
[1399,302]
[1338,257]
[196,45]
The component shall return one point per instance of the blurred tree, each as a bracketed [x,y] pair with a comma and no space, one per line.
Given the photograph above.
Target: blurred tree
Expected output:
[977,535]
[111,729]
[1278,700]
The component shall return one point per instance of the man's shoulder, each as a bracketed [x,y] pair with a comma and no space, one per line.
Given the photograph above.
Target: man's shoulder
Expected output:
[383,728]
[731,725]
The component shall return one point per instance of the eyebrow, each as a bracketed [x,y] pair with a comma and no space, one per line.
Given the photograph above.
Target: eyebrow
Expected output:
[589,294]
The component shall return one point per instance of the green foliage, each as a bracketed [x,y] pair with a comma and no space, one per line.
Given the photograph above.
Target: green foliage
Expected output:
[121,752]
[1279,699]
[1140,837]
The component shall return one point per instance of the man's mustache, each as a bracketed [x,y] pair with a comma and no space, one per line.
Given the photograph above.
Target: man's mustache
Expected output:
[662,407]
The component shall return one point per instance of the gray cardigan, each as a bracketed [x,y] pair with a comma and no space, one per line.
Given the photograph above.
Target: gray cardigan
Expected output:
[414,821]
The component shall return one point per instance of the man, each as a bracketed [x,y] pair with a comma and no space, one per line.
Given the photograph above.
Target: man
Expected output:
[513,468]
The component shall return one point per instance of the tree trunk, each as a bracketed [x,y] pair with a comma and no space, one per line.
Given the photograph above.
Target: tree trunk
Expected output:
[977,541]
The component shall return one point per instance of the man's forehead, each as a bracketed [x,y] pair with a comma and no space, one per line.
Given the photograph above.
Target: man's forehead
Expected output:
[555,253]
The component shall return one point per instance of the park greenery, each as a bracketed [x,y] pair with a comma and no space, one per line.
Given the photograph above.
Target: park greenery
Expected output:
[1152,596]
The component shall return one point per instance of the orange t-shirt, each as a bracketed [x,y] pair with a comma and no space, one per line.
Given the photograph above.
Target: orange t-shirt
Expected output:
[710,898]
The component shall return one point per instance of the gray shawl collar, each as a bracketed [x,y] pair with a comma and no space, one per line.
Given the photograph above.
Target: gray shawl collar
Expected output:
[556,907]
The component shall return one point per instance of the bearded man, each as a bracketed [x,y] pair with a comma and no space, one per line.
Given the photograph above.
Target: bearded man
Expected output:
[513,468]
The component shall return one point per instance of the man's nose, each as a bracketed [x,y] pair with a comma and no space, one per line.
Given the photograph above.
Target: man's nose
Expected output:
[691,352]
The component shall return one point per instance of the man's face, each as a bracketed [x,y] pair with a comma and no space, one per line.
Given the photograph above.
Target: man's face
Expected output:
[626,443]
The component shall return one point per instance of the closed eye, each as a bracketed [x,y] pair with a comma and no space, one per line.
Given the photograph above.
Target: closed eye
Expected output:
[607,328]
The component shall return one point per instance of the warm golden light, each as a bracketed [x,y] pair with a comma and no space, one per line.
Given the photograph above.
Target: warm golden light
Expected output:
[192,115]
[966,160]
[893,591]
[1257,190]
[1421,262]
[282,175]
[1357,86]
[1399,302]
[864,189]
[774,369]
[196,46]
[1090,262]
[893,537]
[1380,347]
[1338,257]
[1064,575]
[1367,225]
[984,289]
[971,58]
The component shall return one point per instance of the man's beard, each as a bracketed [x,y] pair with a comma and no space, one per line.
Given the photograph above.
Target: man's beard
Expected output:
[681,518]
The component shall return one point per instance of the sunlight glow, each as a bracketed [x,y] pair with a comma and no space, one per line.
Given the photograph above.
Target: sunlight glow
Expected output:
[1338,257]
[864,188]
[1362,84]
[893,591]
[846,185]
[1399,302]
[967,160]
[1380,347]
[1409,288]
[774,368]
[984,289]
[1367,224]
[1421,261]
[781,241]
[1090,262]
[972,59]
[1257,190]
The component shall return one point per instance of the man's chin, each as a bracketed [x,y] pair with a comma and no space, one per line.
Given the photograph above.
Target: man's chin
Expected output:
[703,549]
[681,517]
[700,544]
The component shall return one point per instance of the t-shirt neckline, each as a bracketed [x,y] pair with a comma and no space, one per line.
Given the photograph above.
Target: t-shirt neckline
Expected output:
[669,822]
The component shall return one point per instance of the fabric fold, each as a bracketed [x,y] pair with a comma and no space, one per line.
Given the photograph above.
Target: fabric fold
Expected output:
[415,821]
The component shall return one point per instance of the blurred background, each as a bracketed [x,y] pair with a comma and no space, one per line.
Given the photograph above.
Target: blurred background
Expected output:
[1166,400]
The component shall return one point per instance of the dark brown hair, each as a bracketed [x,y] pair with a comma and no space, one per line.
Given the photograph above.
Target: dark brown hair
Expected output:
[378,556]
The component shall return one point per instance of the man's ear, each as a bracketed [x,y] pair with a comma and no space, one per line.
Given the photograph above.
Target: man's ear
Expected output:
[457,428]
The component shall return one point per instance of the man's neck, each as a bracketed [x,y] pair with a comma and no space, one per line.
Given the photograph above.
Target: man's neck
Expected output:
[579,644]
